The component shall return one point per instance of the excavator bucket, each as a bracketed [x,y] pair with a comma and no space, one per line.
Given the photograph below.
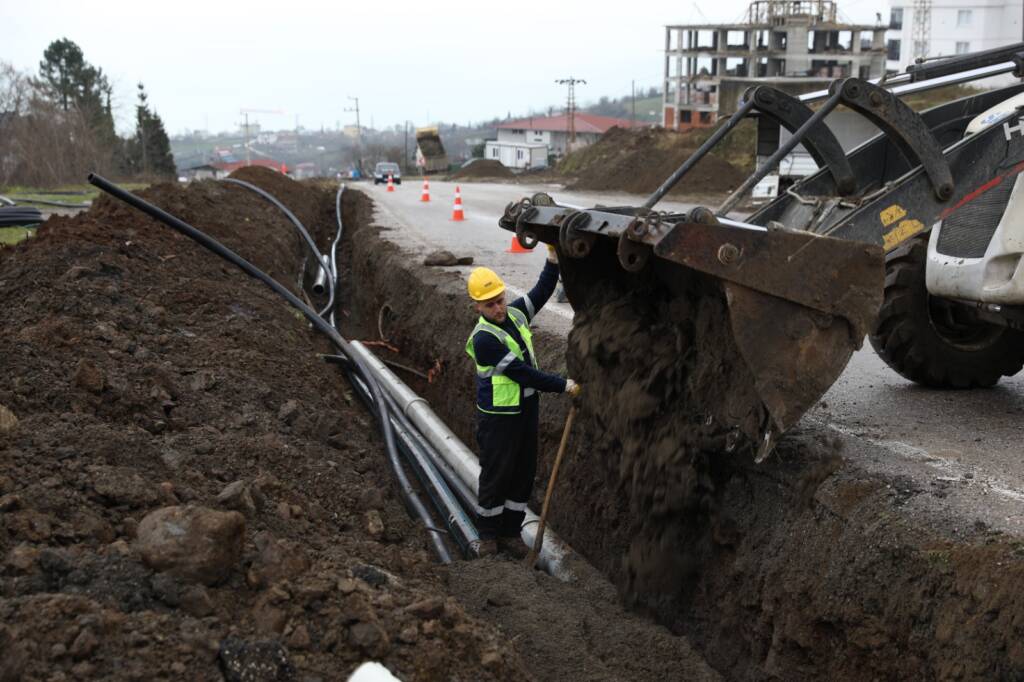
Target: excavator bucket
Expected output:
[796,304]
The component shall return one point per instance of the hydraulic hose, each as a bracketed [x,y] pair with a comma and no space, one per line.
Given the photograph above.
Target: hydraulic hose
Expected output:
[413,502]
[310,244]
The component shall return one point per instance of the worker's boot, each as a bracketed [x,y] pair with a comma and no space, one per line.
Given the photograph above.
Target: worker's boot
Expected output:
[487,548]
[512,547]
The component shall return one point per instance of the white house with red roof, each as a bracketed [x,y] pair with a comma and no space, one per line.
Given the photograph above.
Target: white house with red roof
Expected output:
[527,142]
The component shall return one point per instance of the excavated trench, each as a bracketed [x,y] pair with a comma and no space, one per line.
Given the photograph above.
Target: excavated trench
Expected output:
[804,567]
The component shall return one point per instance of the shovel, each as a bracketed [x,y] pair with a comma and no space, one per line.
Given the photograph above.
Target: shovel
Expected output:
[538,541]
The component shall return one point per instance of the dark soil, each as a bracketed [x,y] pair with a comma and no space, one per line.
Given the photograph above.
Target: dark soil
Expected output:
[638,161]
[482,168]
[805,567]
[573,631]
[144,372]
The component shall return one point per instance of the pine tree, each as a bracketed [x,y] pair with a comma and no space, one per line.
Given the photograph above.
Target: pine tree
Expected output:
[73,82]
[149,152]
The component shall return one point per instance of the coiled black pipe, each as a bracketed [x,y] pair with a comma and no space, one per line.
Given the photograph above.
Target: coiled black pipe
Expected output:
[409,494]
[310,244]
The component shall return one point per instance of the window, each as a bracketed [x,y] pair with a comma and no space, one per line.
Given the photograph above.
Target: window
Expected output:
[893,50]
[519,153]
[963,48]
[963,17]
[494,152]
[896,18]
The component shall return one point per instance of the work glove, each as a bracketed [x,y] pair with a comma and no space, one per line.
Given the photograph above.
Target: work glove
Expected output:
[572,388]
[552,254]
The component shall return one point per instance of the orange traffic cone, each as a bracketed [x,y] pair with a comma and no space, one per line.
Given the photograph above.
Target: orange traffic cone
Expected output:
[391,184]
[426,191]
[516,247]
[457,213]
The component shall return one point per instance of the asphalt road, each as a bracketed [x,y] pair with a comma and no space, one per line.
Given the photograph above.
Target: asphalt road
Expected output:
[967,439]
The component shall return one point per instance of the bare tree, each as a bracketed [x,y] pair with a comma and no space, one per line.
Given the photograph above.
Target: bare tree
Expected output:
[41,144]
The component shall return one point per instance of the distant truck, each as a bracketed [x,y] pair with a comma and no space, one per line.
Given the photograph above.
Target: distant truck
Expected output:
[849,128]
[430,154]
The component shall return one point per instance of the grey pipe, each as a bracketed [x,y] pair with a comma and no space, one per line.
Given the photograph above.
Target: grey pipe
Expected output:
[555,553]
[320,283]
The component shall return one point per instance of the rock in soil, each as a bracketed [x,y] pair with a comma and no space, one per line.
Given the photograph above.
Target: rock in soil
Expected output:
[444,258]
[242,661]
[193,543]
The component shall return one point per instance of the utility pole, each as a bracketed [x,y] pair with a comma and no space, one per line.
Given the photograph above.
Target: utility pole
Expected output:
[632,121]
[245,112]
[359,136]
[571,107]
[248,154]
[405,153]
[922,30]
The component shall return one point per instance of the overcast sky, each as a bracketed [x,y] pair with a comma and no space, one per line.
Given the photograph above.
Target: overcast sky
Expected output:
[422,62]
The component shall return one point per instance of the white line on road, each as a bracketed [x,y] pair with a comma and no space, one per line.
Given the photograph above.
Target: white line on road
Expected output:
[557,308]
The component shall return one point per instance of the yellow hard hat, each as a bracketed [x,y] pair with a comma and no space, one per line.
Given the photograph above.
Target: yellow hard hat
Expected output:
[484,284]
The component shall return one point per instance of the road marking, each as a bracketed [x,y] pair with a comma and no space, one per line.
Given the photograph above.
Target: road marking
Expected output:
[559,309]
[917,454]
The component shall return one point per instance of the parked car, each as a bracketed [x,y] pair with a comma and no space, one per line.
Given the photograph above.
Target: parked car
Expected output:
[385,168]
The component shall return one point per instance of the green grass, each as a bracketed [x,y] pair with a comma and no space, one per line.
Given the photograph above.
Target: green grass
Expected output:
[9,236]
[22,193]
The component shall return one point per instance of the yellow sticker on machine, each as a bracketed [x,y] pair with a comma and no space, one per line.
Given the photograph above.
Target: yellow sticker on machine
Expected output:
[892,214]
[901,233]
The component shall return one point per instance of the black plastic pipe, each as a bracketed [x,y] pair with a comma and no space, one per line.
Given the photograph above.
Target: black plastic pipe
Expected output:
[426,463]
[412,500]
[310,244]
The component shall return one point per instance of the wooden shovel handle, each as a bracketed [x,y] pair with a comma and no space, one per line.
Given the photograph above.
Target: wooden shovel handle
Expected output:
[538,541]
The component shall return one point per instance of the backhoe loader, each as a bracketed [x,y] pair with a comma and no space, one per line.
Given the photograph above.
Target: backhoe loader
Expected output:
[914,239]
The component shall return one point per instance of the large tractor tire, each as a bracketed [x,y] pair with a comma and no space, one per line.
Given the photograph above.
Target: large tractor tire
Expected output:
[935,342]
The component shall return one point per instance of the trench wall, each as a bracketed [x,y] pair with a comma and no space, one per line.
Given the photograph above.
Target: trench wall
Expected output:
[805,567]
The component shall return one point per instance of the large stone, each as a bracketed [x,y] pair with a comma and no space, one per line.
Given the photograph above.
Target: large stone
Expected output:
[193,543]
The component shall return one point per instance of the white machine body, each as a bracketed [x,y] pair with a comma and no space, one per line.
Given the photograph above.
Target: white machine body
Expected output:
[980,257]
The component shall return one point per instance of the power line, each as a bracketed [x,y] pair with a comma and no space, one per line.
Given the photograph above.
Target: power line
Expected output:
[571,106]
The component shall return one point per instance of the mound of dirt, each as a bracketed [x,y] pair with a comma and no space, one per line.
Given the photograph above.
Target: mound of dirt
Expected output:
[638,161]
[482,168]
[185,491]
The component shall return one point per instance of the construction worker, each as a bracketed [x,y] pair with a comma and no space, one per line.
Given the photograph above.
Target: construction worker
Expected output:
[507,383]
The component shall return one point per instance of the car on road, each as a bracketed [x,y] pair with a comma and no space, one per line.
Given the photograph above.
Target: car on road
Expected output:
[385,168]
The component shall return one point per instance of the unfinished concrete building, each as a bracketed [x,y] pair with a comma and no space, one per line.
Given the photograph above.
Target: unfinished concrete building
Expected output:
[796,45]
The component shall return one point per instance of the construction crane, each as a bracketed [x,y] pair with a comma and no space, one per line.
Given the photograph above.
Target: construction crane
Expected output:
[245,112]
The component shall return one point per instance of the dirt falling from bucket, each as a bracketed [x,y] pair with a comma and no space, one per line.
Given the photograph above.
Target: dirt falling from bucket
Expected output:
[666,396]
